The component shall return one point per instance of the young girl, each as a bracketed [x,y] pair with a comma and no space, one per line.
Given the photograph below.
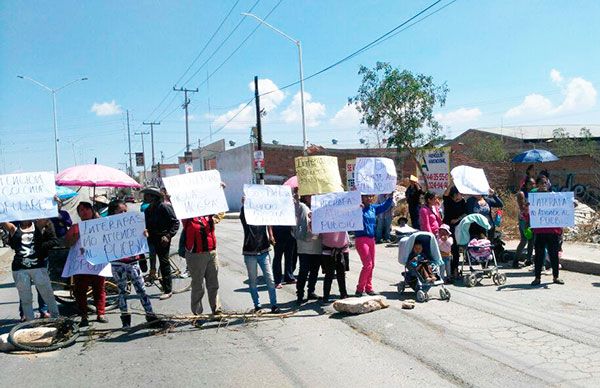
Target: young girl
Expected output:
[445,244]
[129,269]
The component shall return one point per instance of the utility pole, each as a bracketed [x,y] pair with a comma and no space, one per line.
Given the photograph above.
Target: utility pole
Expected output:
[129,140]
[152,124]
[142,133]
[261,177]
[186,102]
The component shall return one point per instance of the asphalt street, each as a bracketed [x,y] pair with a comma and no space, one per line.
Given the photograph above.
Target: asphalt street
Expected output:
[486,336]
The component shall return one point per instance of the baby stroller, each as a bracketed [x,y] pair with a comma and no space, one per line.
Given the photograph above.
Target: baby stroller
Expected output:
[477,251]
[413,278]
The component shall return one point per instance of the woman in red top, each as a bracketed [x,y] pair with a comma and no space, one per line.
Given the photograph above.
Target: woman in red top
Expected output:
[202,261]
[82,282]
[430,218]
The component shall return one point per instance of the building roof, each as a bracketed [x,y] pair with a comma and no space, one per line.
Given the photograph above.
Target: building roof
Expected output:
[539,132]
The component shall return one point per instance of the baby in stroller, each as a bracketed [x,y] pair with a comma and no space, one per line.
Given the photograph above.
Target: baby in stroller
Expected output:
[419,264]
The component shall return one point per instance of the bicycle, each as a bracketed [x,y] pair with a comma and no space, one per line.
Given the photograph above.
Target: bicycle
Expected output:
[180,282]
[65,333]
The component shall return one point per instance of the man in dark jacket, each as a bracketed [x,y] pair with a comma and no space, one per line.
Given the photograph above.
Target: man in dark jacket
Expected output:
[162,226]
[413,198]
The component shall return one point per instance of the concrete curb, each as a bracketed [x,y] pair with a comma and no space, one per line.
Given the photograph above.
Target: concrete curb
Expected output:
[580,266]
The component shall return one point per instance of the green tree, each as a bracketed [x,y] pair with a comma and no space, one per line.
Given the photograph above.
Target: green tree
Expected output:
[399,105]
[489,149]
[565,145]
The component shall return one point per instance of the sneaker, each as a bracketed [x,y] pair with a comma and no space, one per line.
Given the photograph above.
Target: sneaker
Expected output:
[45,314]
[275,310]
[536,282]
[343,296]
[166,296]
[358,294]
[558,281]
[102,319]
[278,286]
[257,308]
[325,300]
[84,322]
[218,311]
[372,293]
[312,295]
[299,301]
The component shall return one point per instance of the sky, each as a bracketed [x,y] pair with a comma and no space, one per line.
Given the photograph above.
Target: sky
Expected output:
[506,63]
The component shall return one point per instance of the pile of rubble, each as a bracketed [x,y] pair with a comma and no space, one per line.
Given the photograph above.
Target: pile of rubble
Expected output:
[587,225]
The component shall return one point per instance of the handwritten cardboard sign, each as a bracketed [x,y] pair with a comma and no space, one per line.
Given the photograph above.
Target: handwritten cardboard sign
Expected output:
[76,264]
[196,194]
[551,210]
[27,196]
[318,175]
[269,205]
[375,175]
[112,238]
[470,180]
[336,212]
[436,168]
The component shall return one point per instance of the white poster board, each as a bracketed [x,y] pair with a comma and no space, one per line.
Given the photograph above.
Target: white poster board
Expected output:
[336,212]
[269,205]
[375,175]
[112,238]
[470,180]
[435,164]
[76,264]
[552,210]
[27,196]
[196,194]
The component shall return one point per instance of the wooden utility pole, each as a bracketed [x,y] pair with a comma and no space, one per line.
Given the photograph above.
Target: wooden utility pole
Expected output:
[186,102]
[261,175]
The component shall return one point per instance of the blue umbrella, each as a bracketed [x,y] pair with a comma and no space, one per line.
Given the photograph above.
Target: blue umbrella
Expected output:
[65,193]
[535,156]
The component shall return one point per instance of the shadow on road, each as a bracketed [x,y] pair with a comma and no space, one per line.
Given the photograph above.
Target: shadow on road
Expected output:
[7,285]
[523,286]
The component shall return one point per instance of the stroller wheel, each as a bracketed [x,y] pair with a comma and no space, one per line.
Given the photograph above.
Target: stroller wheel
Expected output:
[444,294]
[495,279]
[421,296]
[501,278]
[401,287]
[470,280]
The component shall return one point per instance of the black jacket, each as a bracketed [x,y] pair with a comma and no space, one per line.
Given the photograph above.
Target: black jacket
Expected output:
[161,221]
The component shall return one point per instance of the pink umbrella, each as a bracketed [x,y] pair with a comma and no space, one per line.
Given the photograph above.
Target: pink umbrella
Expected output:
[95,175]
[292,182]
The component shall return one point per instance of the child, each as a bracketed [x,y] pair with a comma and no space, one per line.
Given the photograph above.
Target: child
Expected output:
[419,262]
[445,244]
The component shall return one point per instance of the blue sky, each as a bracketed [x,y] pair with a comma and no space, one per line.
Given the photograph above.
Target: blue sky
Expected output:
[505,62]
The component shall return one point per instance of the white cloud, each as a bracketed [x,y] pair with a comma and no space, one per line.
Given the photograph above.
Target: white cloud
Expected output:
[106,108]
[555,76]
[190,117]
[244,116]
[579,95]
[313,111]
[347,118]
[459,116]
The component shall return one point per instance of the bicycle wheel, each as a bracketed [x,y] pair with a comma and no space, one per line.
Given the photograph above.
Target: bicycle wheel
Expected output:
[63,293]
[67,331]
[112,297]
[181,281]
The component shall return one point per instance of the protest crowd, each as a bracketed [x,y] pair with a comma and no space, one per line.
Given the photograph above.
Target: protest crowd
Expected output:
[291,232]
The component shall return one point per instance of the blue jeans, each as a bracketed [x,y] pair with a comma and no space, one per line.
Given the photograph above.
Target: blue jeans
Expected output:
[382,228]
[264,261]
[24,279]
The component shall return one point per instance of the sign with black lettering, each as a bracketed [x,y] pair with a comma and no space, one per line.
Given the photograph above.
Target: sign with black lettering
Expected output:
[336,212]
[375,175]
[112,238]
[196,194]
[269,205]
[552,210]
[27,196]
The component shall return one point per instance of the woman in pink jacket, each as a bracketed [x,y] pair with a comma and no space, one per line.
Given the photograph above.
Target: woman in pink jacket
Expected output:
[430,218]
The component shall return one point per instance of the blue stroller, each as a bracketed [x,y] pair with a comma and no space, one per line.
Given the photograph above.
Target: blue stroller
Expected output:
[413,278]
[477,251]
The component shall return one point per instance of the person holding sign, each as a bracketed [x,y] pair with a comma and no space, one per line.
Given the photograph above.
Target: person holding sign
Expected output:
[202,261]
[82,282]
[546,239]
[31,243]
[365,242]
[414,191]
[479,204]
[162,226]
[310,251]
[256,254]
[128,269]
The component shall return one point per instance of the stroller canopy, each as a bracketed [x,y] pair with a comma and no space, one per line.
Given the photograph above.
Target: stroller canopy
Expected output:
[462,230]
[429,243]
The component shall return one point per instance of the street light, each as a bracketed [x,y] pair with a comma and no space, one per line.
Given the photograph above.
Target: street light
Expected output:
[299,46]
[53,91]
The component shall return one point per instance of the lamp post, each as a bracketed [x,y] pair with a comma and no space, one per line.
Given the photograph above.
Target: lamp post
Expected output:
[53,91]
[299,46]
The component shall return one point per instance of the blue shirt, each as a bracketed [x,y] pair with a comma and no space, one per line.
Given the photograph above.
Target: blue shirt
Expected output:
[369,217]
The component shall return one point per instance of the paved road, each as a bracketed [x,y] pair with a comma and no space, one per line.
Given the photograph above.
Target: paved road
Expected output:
[486,336]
